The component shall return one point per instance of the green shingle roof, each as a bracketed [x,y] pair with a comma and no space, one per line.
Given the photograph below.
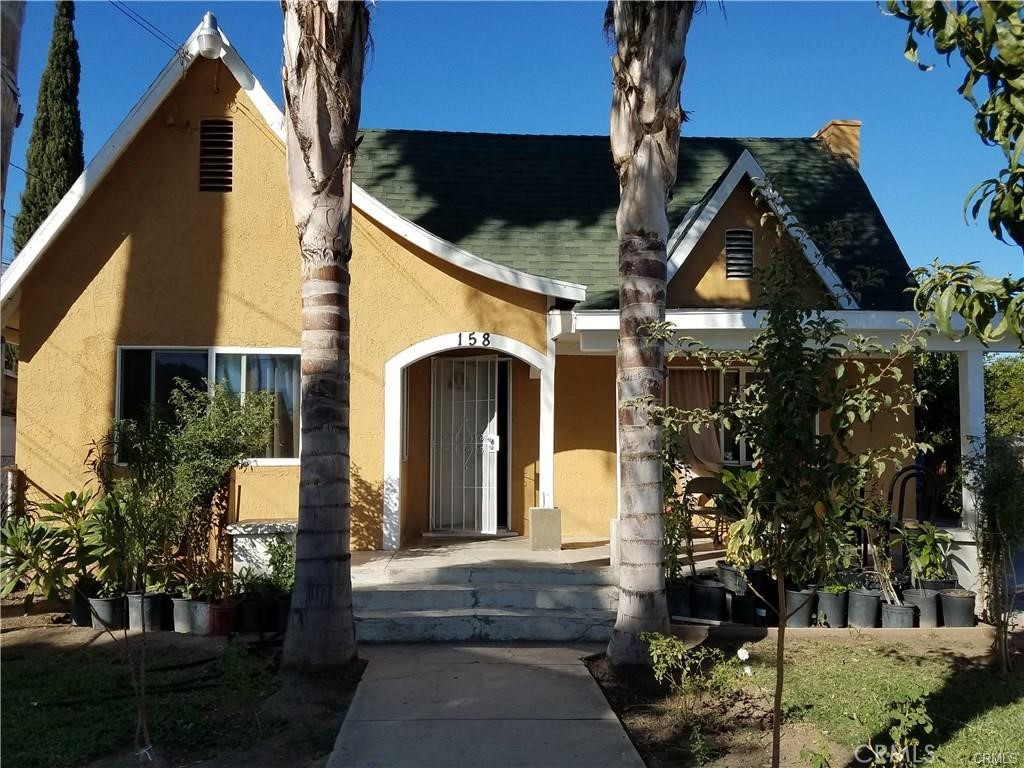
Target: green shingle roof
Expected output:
[546,204]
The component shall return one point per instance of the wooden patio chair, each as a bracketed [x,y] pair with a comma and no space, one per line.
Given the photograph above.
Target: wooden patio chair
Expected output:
[698,491]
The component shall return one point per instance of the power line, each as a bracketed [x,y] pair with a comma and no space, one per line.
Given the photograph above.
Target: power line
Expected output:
[145,24]
[26,172]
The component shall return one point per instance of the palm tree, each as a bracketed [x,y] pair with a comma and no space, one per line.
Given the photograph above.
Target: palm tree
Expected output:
[324,51]
[648,65]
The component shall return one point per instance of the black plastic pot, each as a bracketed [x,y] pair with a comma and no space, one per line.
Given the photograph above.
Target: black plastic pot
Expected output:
[107,612]
[181,608]
[898,616]
[259,616]
[80,613]
[167,610]
[676,593]
[707,598]
[926,601]
[284,608]
[940,584]
[145,608]
[742,607]
[731,576]
[957,607]
[223,617]
[900,582]
[863,608]
[199,613]
[832,609]
[799,607]
[760,580]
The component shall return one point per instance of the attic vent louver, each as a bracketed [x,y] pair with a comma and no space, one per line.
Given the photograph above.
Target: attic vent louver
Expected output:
[739,254]
[216,147]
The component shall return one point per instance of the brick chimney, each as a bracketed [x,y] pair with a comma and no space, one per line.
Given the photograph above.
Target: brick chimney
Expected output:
[843,138]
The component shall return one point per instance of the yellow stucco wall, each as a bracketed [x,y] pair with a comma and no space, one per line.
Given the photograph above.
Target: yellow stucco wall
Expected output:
[701,280]
[151,261]
[585,444]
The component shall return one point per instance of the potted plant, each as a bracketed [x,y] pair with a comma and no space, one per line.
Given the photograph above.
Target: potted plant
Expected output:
[106,533]
[281,552]
[206,592]
[678,539]
[958,607]
[928,552]
[258,593]
[895,615]
[33,557]
[832,604]
[800,605]
[69,517]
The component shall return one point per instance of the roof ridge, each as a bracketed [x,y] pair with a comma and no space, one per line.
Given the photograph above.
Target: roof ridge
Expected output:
[496,134]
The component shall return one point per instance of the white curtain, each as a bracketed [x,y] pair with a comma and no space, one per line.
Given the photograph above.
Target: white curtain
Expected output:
[689,389]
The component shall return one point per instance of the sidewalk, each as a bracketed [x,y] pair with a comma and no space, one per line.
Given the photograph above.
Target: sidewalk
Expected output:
[463,706]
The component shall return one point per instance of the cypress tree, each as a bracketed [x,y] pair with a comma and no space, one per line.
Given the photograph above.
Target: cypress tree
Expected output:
[55,157]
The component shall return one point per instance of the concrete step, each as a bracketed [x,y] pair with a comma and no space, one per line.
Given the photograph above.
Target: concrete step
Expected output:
[484,624]
[526,574]
[426,597]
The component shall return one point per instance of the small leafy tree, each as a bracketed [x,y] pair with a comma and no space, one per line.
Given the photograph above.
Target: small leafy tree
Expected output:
[806,367]
[1004,396]
[164,503]
[994,472]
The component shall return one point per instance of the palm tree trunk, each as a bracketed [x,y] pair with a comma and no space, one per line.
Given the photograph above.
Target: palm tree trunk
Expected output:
[648,64]
[324,47]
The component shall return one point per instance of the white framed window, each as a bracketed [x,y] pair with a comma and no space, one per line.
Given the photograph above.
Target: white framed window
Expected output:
[704,389]
[739,254]
[145,378]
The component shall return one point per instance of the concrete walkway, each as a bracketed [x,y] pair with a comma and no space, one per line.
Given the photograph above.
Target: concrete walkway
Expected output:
[480,706]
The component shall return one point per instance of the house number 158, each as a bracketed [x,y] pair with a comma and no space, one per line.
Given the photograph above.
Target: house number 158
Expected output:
[473,339]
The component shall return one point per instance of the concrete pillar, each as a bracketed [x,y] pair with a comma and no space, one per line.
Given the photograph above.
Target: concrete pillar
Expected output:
[546,454]
[971,367]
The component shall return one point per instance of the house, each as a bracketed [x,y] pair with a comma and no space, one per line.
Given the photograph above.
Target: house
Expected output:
[483,302]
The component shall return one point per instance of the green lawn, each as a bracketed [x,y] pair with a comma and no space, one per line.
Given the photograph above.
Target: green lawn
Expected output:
[845,689]
[64,704]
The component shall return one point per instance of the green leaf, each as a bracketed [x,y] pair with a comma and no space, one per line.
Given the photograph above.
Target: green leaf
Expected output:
[944,310]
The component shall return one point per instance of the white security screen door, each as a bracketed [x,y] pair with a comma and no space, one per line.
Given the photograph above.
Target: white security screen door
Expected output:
[464,445]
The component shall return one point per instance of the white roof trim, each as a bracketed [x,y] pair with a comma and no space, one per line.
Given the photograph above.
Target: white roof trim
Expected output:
[696,221]
[738,326]
[451,253]
[140,114]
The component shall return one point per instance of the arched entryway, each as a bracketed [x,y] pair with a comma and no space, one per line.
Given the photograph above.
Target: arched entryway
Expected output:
[469,374]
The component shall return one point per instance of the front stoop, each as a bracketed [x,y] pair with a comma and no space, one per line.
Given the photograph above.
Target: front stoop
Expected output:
[479,603]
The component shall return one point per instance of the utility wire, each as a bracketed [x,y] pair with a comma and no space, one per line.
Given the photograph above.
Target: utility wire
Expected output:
[145,24]
[26,172]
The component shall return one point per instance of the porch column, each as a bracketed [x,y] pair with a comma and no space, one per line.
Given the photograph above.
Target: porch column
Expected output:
[546,454]
[971,369]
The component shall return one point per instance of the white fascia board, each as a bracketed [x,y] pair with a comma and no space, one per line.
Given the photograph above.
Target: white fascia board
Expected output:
[458,257]
[680,245]
[98,167]
[140,114]
[886,325]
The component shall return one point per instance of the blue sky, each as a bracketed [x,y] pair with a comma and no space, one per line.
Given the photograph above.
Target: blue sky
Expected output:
[758,69]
